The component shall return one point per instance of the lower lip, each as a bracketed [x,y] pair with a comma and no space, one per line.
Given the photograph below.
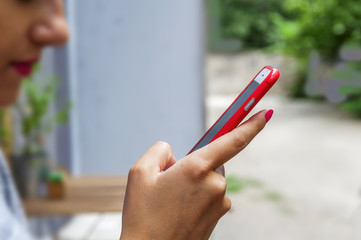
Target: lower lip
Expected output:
[24,68]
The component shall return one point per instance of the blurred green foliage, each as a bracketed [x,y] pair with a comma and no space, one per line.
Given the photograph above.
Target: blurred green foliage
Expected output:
[273,196]
[3,130]
[297,28]
[324,26]
[236,184]
[35,113]
[318,25]
[251,21]
[5,134]
[34,109]
[352,104]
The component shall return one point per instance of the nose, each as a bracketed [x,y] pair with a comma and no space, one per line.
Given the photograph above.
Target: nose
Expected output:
[51,29]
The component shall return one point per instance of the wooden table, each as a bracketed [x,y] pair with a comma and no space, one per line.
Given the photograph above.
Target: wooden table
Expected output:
[83,195]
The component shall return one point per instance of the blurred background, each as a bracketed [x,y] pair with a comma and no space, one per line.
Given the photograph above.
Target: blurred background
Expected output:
[135,72]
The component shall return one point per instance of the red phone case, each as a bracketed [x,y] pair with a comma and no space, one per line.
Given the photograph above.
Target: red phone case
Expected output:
[241,113]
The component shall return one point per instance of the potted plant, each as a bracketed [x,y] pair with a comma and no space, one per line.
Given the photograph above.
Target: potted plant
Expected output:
[30,161]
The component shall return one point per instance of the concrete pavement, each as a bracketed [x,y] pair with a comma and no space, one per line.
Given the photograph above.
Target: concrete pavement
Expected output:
[307,161]
[309,155]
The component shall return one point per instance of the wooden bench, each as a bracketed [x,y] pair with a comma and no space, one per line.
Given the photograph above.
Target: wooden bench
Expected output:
[83,195]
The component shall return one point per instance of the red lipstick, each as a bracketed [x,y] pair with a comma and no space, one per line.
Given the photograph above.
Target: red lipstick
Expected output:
[24,68]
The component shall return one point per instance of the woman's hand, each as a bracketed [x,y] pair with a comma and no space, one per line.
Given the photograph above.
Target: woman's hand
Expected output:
[170,200]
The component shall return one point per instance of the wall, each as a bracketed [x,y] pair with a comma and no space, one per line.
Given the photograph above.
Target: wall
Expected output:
[134,69]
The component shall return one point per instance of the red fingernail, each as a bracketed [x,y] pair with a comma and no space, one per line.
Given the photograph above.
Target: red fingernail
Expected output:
[268,115]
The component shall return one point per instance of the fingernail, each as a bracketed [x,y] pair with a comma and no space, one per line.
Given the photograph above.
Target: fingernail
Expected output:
[269,115]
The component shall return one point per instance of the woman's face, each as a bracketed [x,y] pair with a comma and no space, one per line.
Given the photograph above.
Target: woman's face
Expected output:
[26,27]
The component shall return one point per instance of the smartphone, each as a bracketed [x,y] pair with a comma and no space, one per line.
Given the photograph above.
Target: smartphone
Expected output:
[243,104]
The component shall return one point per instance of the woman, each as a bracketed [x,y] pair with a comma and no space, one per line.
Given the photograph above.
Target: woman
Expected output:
[165,199]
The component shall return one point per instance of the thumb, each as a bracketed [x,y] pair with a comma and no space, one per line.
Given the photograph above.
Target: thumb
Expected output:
[156,159]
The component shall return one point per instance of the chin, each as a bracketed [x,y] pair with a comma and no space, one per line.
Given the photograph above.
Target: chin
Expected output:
[7,101]
[9,91]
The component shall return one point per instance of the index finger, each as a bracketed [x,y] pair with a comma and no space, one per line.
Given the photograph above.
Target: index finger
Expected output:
[226,147]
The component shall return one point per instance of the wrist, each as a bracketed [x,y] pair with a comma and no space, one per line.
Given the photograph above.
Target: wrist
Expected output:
[136,235]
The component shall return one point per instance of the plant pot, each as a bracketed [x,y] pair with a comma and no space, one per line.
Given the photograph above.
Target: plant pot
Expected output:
[30,173]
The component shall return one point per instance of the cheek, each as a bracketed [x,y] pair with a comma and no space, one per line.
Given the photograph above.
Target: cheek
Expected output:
[3,61]
[6,46]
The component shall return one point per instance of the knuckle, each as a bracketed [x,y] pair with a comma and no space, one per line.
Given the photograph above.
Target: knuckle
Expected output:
[197,169]
[227,204]
[218,186]
[162,145]
[196,166]
[222,185]
[240,140]
[260,125]
[136,170]
[132,171]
